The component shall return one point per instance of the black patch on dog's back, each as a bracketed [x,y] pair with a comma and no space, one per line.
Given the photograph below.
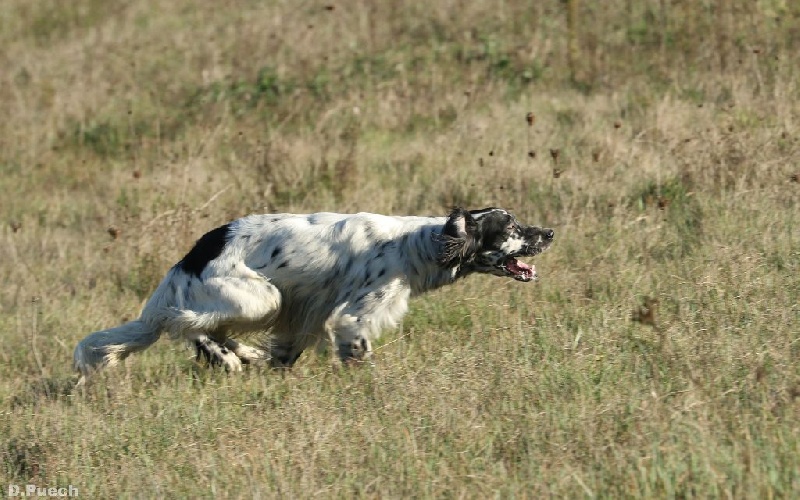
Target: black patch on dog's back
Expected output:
[207,248]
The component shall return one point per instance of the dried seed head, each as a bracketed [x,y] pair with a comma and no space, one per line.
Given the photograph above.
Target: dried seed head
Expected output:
[617,124]
[137,174]
[646,313]
[530,118]
[761,372]
[113,232]
[596,155]
[531,154]
[557,173]
[554,154]
[15,225]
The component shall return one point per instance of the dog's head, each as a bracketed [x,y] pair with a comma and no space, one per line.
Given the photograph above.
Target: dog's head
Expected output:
[489,241]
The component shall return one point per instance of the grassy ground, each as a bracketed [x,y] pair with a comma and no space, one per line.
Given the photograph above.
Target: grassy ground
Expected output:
[656,357]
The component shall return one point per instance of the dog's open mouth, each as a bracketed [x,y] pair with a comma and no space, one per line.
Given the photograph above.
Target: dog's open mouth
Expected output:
[519,270]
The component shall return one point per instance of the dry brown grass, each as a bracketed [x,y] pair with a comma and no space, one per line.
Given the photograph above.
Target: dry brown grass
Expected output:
[657,356]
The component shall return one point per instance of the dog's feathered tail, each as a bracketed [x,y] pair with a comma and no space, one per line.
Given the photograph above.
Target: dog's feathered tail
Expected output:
[109,347]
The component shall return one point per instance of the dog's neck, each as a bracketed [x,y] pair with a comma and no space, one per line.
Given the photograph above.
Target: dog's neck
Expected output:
[419,250]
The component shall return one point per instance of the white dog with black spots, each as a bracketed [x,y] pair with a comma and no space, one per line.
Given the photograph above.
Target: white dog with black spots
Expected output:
[302,280]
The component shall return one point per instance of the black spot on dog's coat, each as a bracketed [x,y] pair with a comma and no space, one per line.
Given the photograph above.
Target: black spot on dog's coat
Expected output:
[347,265]
[276,252]
[207,248]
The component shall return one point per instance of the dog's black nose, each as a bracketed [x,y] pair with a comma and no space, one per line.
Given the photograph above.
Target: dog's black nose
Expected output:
[549,234]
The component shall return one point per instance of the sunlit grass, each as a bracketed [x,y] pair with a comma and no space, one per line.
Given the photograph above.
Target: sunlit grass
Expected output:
[656,357]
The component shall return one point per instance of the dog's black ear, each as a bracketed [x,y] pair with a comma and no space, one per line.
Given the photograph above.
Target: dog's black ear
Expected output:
[459,243]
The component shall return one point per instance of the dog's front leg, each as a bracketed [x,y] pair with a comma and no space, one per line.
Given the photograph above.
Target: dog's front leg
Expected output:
[348,333]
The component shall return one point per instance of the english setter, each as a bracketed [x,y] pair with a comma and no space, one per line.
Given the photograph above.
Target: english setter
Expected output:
[308,278]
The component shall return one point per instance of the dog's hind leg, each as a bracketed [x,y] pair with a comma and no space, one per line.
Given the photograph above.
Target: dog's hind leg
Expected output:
[218,350]
[215,353]
[220,303]
[225,303]
[246,353]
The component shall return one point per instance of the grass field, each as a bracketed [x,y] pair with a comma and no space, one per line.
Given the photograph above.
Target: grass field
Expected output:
[658,356]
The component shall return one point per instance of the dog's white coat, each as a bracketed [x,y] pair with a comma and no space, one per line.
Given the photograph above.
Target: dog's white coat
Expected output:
[303,278]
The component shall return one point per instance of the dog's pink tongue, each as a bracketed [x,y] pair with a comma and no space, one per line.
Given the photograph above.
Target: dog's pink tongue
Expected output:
[518,267]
